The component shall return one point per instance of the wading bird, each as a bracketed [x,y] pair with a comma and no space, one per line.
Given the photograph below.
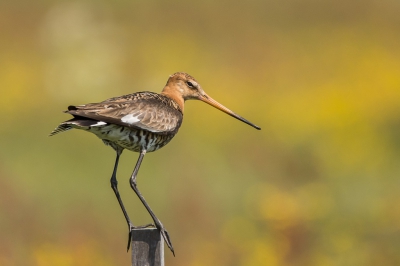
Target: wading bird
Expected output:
[140,122]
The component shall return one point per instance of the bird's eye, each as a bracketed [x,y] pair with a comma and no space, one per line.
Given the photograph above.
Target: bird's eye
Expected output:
[190,84]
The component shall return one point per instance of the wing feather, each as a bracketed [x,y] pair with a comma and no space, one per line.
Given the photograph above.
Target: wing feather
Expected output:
[153,113]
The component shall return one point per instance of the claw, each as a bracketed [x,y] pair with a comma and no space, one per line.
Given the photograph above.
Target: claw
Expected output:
[165,235]
[129,240]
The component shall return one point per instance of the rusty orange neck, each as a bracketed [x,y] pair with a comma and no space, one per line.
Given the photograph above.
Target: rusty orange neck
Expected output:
[172,94]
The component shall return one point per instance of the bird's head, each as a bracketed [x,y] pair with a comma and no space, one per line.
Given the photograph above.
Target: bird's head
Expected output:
[181,87]
[185,86]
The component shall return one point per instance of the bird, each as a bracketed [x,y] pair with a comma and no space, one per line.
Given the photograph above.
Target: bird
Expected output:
[141,122]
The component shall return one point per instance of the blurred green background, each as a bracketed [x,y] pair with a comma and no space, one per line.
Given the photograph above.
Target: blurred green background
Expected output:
[318,185]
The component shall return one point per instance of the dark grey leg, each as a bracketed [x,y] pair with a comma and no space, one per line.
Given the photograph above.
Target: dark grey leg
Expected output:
[157,222]
[114,186]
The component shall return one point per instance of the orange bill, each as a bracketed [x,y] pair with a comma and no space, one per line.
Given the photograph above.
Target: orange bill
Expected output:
[207,99]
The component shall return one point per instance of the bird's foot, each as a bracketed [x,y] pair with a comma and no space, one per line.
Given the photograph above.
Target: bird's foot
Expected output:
[159,226]
[165,235]
[131,228]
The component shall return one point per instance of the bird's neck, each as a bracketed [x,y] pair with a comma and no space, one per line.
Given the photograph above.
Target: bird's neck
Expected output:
[176,97]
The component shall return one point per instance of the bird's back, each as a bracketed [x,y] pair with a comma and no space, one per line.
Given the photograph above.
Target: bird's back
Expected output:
[142,120]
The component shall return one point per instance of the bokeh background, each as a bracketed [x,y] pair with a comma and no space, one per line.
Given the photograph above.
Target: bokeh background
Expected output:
[318,185]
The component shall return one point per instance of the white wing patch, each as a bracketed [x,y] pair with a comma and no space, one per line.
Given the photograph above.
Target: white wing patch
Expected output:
[130,119]
[99,123]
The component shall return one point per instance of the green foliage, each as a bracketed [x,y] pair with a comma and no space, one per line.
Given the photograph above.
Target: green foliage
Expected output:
[318,185]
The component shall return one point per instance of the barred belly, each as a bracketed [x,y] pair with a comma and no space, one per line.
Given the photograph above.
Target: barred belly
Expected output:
[131,139]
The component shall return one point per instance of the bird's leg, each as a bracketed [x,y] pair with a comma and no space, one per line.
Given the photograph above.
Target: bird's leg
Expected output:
[114,184]
[157,222]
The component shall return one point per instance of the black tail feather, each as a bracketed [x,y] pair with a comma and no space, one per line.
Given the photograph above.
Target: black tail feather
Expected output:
[60,128]
[77,121]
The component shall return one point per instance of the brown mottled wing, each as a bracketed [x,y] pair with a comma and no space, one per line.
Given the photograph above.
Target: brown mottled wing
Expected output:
[149,111]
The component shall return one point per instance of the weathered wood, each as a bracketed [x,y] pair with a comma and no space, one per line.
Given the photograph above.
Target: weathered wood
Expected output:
[147,247]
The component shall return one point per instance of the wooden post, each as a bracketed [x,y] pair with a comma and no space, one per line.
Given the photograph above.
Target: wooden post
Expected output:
[147,247]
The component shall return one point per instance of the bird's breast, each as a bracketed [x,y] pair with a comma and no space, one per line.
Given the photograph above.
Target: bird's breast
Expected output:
[132,139]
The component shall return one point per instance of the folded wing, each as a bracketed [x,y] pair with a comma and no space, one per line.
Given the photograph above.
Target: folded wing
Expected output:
[153,113]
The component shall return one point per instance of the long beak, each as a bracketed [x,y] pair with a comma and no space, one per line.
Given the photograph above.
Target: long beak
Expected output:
[207,99]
